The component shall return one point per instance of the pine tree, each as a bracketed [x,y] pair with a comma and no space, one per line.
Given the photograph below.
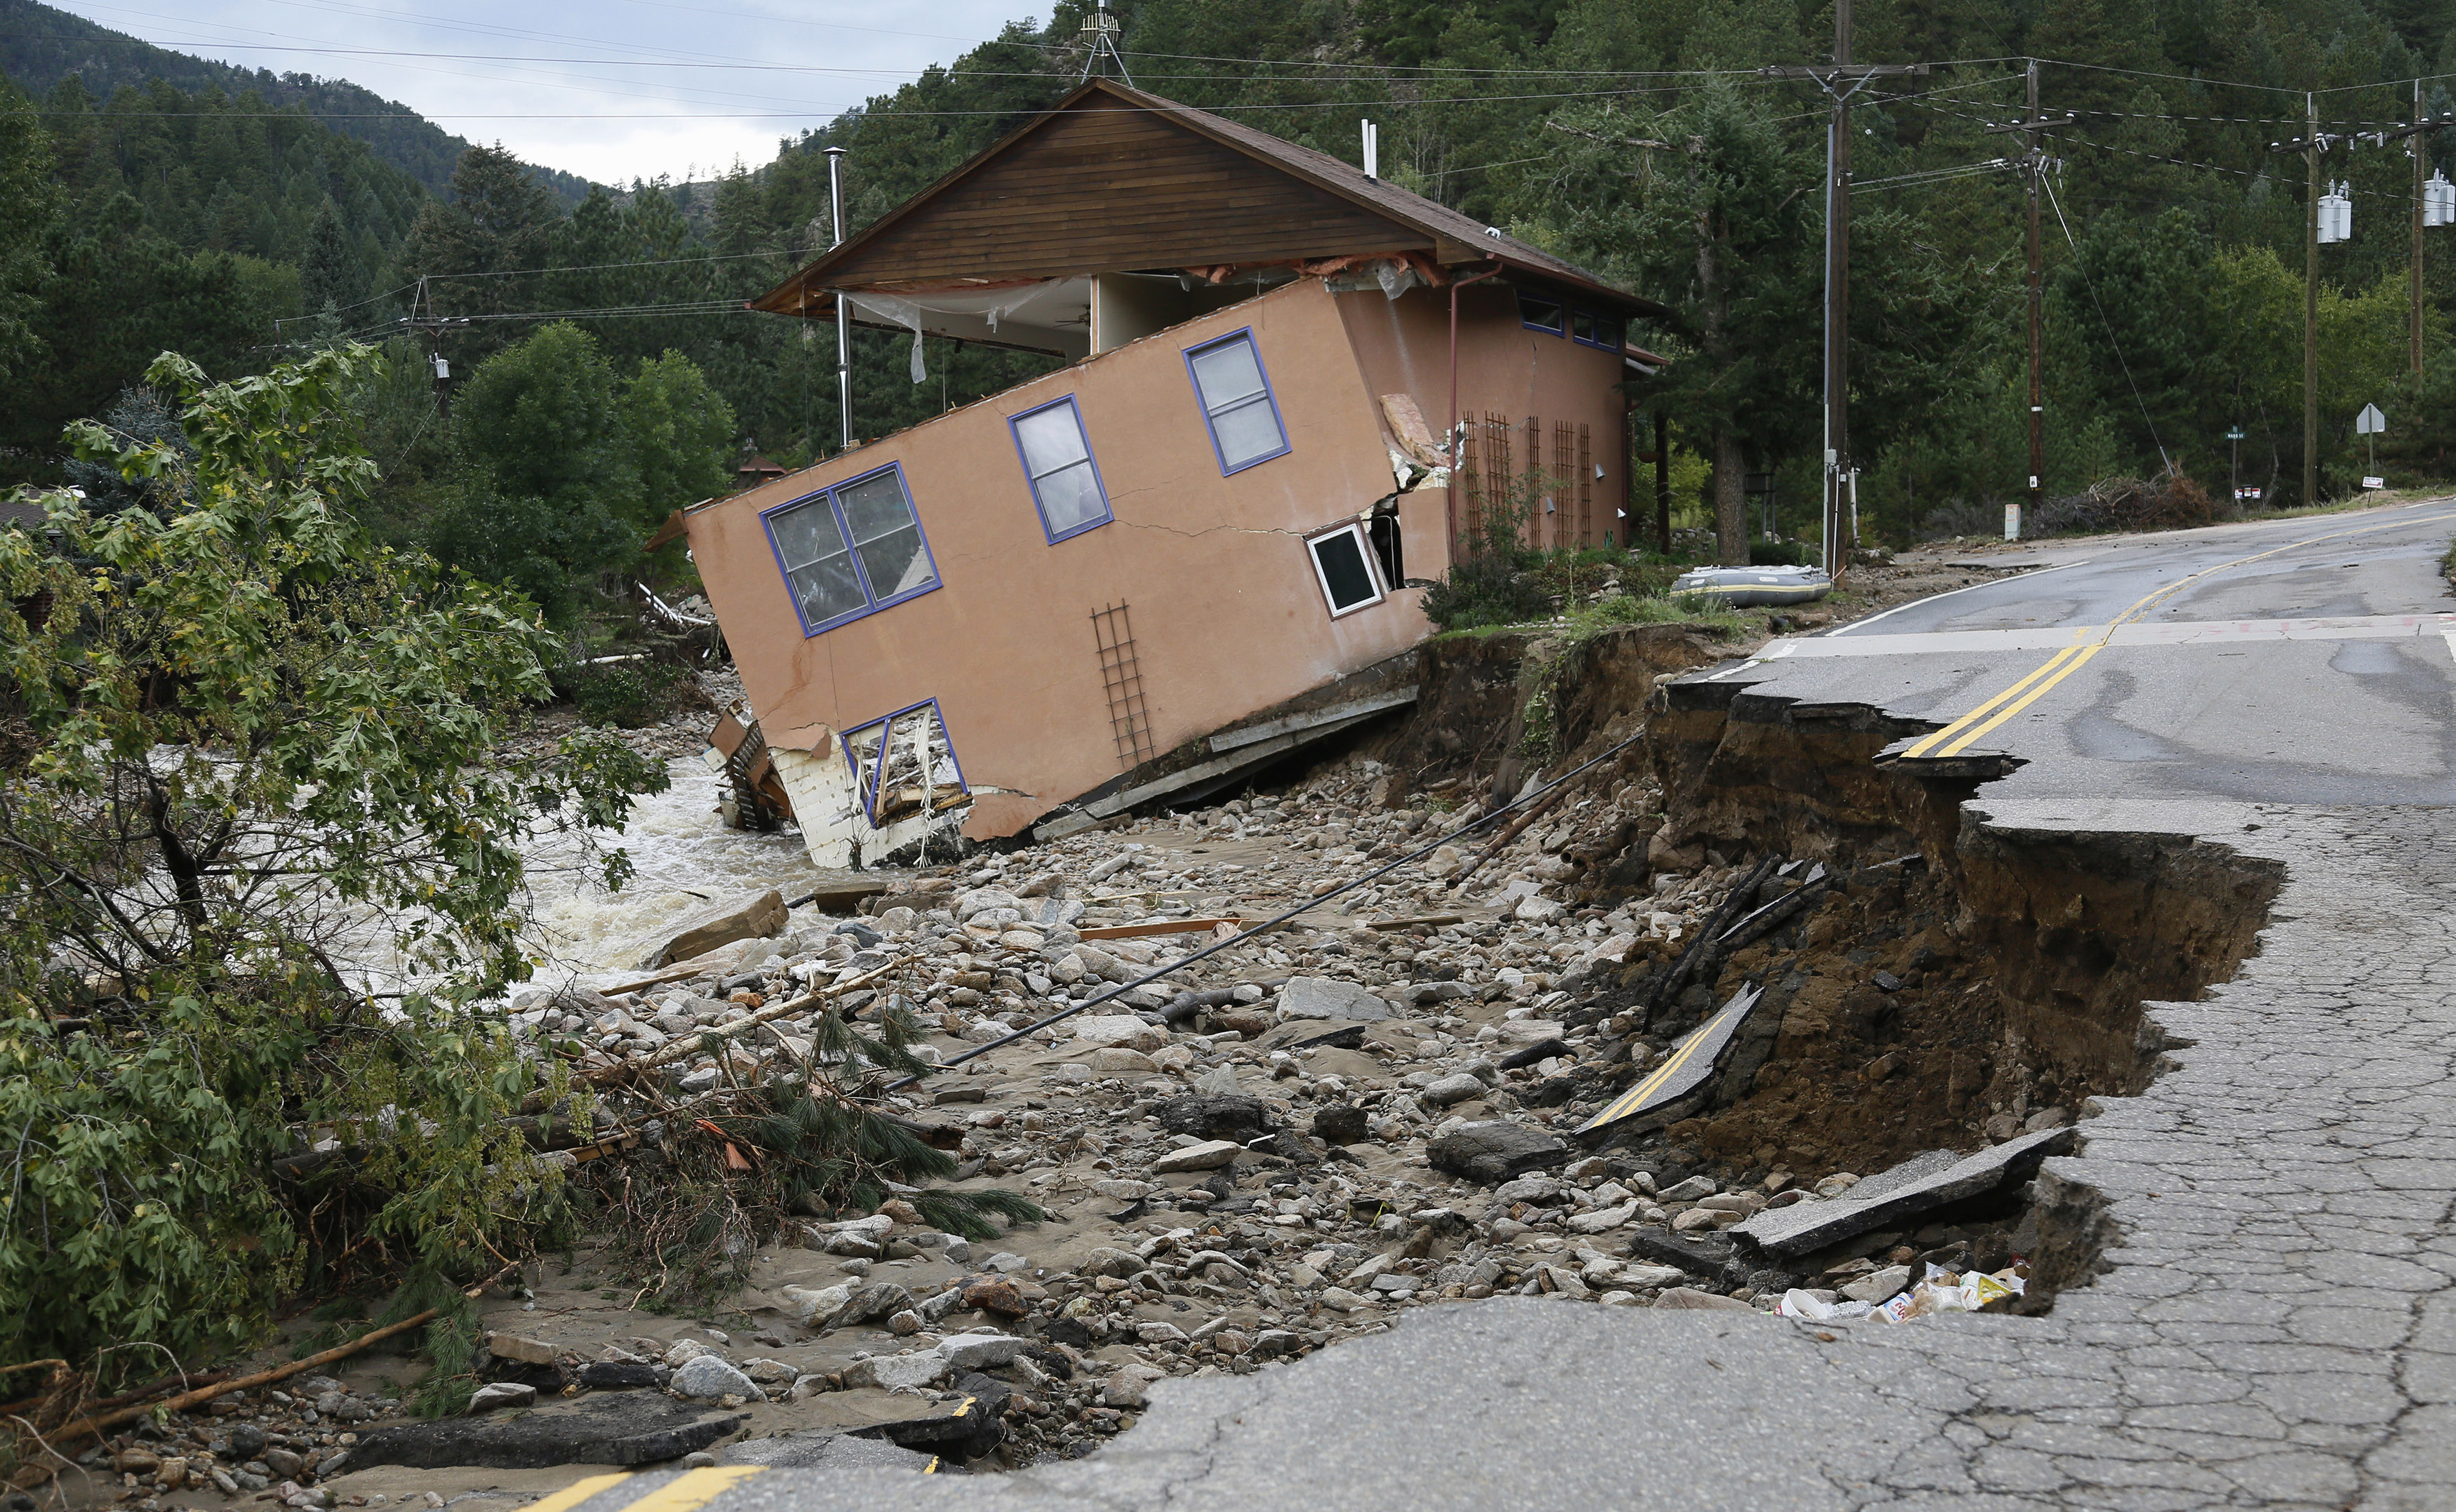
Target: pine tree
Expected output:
[330,274]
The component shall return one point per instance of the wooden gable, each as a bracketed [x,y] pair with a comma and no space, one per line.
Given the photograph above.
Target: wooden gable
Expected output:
[1104,186]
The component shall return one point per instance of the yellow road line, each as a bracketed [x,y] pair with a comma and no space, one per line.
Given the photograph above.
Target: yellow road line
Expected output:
[1956,737]
[694,1489]
[1638,1094]
[579,1491]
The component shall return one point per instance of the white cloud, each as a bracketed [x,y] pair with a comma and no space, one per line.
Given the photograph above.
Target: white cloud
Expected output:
[610,89]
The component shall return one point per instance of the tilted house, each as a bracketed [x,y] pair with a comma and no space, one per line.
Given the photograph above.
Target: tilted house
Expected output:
[1230,498]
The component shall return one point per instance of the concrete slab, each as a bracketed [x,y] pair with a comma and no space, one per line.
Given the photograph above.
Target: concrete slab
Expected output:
[1806,1226]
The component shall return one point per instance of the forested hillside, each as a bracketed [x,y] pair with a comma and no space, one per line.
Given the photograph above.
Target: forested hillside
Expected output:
[40,46]
[1640,140]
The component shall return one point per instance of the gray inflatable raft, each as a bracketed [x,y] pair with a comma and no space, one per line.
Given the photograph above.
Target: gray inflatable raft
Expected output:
[1746,587]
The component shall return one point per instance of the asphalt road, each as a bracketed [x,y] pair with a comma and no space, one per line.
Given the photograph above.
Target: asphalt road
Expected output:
[2276,1326]
[2300,661]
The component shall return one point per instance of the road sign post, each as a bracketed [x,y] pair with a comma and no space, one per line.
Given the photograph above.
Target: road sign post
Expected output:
[2369,423]
[2234,464]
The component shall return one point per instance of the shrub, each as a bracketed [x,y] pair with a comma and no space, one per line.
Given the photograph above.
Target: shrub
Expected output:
[627,694]
[247,748]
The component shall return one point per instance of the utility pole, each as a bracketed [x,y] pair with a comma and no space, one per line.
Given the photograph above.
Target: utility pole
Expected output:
[1662,482]
[2037,332]
[2311,148]
[2420,153]
[1840,80]
[843,311]
[2033,165]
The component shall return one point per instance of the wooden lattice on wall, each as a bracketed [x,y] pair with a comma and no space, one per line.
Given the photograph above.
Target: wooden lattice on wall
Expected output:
[1121,676]
[1585,487]
[1564,485]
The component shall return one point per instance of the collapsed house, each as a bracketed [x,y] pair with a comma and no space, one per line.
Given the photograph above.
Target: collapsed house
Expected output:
[1190,548]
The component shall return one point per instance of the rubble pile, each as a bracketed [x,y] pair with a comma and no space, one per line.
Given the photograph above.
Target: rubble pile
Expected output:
[1374,1107]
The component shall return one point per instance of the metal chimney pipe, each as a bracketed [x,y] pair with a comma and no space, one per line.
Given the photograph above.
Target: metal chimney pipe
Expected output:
[843,313]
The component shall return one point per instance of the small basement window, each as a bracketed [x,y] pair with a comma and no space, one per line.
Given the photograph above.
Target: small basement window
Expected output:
[1236,402]
[1065,482]
[904,765]
[852,550]
[1549,315]
[1342,561]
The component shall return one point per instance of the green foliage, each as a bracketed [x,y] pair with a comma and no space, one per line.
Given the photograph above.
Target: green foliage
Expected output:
[245,745]
[629,695]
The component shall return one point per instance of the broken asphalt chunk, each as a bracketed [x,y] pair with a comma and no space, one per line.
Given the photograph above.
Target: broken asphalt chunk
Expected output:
[1804,1227]
[596,1430]
[1674,1090]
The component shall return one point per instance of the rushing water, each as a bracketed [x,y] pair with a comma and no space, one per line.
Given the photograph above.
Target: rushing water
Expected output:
[682,858]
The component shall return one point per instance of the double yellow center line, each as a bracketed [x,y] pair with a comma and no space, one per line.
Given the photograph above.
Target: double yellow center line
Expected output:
[1956,737]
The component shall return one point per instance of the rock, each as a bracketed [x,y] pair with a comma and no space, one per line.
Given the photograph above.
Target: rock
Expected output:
[770,1372]
[1494,1151]
[979,1351]
[485,1399]
[1159,1333]
[1878,1286]
[995,1294]
[611,1374]
[246,1440]
[1216,1115]
[1456,1088]
[1116,1060]
[1326,998]
[173,1472]
[1529,1031]
[1340,1124]
[1685,1296]
[890,1371]
[619,1430]
[1694,1220]
[707,1376]
[1603,1221]
[1102,1030]
[1125,1389]
[1340,1299]
[1689,1191]
[2045,1118]
[1209,1155]
[745,916]
[1527,1189]
[878,1299]
[816,1307]
[516,1346]
[1641,1274]
[684,1350]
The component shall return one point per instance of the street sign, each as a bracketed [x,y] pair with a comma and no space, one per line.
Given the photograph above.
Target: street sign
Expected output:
[2246,493]
[2371,421]
[2238,433]
[2374,483]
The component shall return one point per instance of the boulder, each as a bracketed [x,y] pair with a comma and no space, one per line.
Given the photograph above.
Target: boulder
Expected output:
[890,1371]
[745,916]
[1494,1151]
[1209,1155]
[709,1377]
[1328,997]
[1102,1030]
[979,1351]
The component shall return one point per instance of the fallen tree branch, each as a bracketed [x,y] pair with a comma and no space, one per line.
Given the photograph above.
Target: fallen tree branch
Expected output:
[87,1427]
[1516,828]
[685,1046]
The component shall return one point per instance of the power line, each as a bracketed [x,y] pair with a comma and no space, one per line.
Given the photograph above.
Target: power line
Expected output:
[2090,284]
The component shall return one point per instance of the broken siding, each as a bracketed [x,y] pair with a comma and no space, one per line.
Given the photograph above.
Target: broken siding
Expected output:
[1225,613]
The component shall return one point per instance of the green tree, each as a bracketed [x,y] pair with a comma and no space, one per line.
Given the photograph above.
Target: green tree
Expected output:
[254,771]
[547,494]
[35,201]
[681,435]
[330,274]
[498,225]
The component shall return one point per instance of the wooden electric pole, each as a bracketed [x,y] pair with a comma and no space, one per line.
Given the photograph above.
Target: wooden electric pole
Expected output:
[2038,331]
[1841,80]
[2311,148]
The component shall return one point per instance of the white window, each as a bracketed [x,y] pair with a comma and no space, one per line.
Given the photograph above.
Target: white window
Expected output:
[1345,564]
[1057,460]
[1237,401]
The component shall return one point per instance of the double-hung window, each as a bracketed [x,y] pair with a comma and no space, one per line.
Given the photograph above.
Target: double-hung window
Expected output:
[851,549]
[1065,482]
[1237,401]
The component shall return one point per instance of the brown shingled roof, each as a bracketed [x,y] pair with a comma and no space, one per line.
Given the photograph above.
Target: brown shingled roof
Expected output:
[1329,209]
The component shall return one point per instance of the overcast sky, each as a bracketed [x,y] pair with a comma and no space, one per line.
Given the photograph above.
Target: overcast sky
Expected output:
[610,89]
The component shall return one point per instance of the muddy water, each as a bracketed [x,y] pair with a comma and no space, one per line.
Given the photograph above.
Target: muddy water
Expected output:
[682,857]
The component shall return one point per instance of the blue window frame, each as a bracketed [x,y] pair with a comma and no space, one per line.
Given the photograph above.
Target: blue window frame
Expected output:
[907,748]
[1588,328]
[1237,401]
[1548,315]
[851,549]
[1057,461]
